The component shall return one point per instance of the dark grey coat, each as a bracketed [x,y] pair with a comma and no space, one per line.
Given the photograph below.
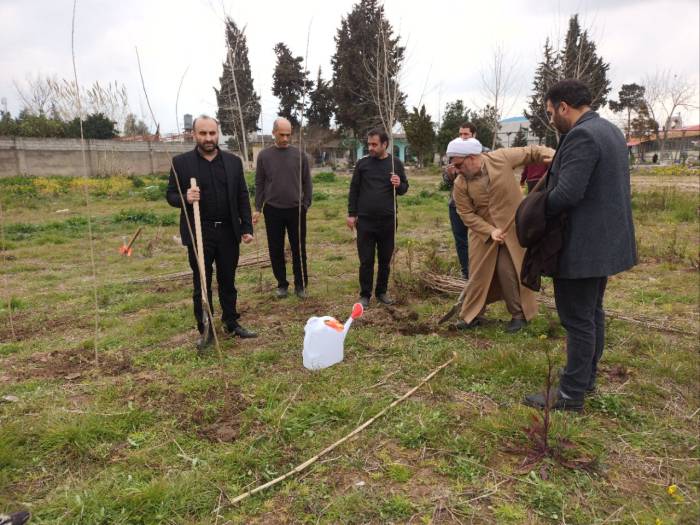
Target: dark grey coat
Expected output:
[590,182]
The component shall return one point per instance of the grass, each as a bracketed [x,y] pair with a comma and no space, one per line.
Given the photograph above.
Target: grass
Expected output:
[151,433]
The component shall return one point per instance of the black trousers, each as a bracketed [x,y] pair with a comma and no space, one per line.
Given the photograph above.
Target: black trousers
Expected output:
[374,235]
[580,307]
[277,222]
[461,235]
[222,248]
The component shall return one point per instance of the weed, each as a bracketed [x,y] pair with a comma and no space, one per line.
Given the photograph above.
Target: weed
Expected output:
[325,176]
[143,217]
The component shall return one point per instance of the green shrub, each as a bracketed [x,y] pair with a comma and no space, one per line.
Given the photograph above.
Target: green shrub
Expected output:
[325,176]
[145,217]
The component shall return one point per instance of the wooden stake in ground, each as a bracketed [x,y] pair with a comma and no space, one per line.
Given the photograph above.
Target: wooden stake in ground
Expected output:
[342,440]
[200,261]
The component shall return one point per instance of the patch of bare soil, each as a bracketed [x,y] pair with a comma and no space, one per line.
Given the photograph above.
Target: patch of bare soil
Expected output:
[226,424]
[28,325]
[615,373]
[213,415]
[71,365]
[401,320]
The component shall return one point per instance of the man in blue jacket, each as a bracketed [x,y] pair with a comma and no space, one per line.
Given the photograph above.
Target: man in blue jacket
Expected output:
[590,184]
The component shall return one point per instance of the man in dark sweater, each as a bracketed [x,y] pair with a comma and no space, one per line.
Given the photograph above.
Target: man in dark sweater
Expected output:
[283,195]
[589,182]
[371,210]
[225,211]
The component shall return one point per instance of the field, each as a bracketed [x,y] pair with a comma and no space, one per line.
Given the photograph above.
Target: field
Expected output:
[134,427]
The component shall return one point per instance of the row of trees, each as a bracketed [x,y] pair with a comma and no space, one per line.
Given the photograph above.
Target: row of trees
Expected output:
[367,62]
[363,92]
[366,67]
[95,126]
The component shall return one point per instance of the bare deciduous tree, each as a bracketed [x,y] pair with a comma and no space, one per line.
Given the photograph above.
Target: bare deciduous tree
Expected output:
[499,80]
[667,92]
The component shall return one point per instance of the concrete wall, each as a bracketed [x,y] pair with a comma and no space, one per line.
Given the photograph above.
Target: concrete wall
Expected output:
[28,156]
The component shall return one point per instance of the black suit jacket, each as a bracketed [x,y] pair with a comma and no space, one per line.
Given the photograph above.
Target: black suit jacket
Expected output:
[185,166]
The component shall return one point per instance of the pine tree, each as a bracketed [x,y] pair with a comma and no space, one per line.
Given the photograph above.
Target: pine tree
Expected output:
[357,44]
[520,139]
[631,100]
[321,104]
[579,60]
[290,84]
[455,115]
[226,99]
[420,134]
[546,75]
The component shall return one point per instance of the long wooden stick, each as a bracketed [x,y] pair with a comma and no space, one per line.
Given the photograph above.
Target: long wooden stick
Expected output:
[200,261]
[342,440]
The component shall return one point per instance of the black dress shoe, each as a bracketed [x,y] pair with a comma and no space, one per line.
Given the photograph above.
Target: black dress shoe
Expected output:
[384,298]
[364,301]
[556,401]
[463,325]
[515,325]
[237,329]
[16,518]
[281,293]
[205,339]
[300,293]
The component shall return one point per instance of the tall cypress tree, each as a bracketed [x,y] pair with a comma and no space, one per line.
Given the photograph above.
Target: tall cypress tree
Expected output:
[289,84]
[546,75]
[321,104]
[420,134]
[357,45]
[228,113]
[578,59]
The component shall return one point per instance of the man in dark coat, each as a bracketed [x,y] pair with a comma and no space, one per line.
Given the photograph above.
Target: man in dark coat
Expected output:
[590,183]
[226,220]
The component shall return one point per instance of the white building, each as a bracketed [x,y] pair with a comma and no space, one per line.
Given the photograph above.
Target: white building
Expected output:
[509,127]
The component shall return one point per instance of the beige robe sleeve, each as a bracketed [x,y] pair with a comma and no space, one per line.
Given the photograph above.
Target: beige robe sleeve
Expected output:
[527,155]
[467,212]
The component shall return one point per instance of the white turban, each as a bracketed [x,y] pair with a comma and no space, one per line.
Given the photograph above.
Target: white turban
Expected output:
[464,147]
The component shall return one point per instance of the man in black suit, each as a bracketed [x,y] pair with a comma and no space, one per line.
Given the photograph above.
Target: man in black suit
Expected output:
[589,184]
[226,220]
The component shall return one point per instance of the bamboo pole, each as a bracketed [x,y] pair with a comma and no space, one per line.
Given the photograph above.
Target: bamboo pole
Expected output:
[345,438]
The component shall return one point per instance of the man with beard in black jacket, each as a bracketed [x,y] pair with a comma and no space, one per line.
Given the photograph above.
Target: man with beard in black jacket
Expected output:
[226,220]
[589,182]
[372,210]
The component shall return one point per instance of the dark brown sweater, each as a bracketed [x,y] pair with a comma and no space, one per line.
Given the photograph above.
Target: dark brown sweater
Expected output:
[277,179]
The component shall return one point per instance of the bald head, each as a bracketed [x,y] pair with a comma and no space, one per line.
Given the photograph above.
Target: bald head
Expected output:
[282,131]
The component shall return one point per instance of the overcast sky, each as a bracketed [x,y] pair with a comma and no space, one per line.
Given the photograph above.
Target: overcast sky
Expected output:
[448,44]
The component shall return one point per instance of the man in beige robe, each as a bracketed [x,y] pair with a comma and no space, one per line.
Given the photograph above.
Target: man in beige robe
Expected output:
[487,194]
